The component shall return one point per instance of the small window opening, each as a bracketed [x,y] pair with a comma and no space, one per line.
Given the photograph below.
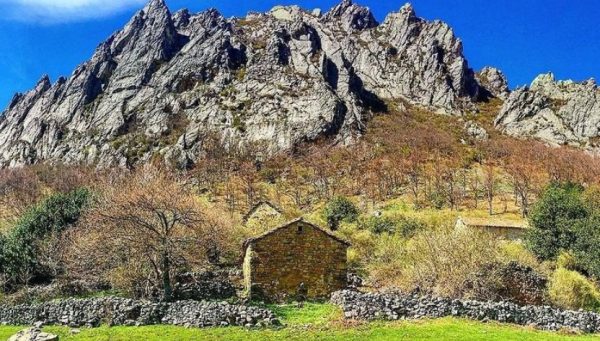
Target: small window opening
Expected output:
[300,229]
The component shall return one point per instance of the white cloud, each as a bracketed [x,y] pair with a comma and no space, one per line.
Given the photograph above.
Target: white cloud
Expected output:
[56,11]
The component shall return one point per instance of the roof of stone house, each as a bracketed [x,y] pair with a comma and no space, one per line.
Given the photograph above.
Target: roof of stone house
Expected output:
[270,232]
[257,206]
[491,222]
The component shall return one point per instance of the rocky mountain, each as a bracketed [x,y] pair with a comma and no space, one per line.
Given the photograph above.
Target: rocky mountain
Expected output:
[166,81]
[494,81]
[558,112]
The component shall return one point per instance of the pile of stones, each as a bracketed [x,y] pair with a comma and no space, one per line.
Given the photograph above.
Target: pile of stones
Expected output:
[121,311]
[394,306]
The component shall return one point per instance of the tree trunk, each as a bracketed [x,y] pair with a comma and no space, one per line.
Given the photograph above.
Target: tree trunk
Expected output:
[166,276]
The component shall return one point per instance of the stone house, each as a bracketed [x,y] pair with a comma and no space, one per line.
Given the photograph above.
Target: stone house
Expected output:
[261,213]
[297,259]
[503,229]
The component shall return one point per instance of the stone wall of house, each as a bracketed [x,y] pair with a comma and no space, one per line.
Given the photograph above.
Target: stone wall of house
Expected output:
[278,263]
[121,311]
[371,306]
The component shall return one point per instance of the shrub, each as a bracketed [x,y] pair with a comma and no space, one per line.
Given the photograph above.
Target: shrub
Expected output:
[571,290]
[441,261]
[21,258]
[404,226]
[553,219]
[565,220]
[512,251]
[567,261]
[340,209]
[437,199]
[363,243]
[408,227]
[386,260]
[511,281]
[378,225]
[586,249]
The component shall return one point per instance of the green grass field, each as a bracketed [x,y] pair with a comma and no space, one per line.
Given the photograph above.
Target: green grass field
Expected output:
[319,322]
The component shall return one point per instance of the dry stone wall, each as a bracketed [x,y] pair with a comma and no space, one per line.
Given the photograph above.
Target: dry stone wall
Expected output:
[370,306]
[121,311]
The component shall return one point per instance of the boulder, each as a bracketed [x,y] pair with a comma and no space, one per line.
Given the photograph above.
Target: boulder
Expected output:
[33,334]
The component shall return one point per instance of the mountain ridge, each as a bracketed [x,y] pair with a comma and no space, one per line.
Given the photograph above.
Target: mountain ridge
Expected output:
[163,83]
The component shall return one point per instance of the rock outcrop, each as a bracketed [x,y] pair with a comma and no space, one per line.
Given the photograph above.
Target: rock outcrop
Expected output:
[558,112]
[476,132]
[162,84]
[494,81]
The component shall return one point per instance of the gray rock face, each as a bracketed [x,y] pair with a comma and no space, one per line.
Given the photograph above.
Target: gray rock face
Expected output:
[494,81]
[165,81]
[371,306]
[558,112]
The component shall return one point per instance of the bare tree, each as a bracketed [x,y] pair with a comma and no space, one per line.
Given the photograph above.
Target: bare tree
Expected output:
[19,189]
[489,185]
[154,218]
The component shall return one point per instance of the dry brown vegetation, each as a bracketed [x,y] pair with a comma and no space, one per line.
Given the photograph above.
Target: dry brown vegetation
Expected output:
[145,226]
[144,229]
[411,153]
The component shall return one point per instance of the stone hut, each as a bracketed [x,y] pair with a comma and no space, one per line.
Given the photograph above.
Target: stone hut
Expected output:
[295,260]
[262,212]
[510,230]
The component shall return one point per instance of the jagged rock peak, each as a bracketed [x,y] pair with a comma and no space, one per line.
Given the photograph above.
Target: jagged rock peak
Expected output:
[558,112]
[494,81]
[287,13]
[163,83]
[408,10]
[547,85]
[44,82]
[352,16]
[549,79]
[155,5]
[544,78]
[181,18]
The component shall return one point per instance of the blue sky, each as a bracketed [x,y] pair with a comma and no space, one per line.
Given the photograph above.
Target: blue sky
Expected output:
[522,38]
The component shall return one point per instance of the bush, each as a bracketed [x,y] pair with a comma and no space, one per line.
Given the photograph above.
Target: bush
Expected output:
[437,200]
[571,290]
[567,261]
[408,227]
[441,261]
[511,281]
[386,260]
[586,249]
[565,220]
[403,226]
[553,219]
[513,251]
[21,258]
[378,225]
[340,209]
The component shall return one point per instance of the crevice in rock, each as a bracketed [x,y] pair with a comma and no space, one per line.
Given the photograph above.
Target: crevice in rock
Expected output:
[331,73]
